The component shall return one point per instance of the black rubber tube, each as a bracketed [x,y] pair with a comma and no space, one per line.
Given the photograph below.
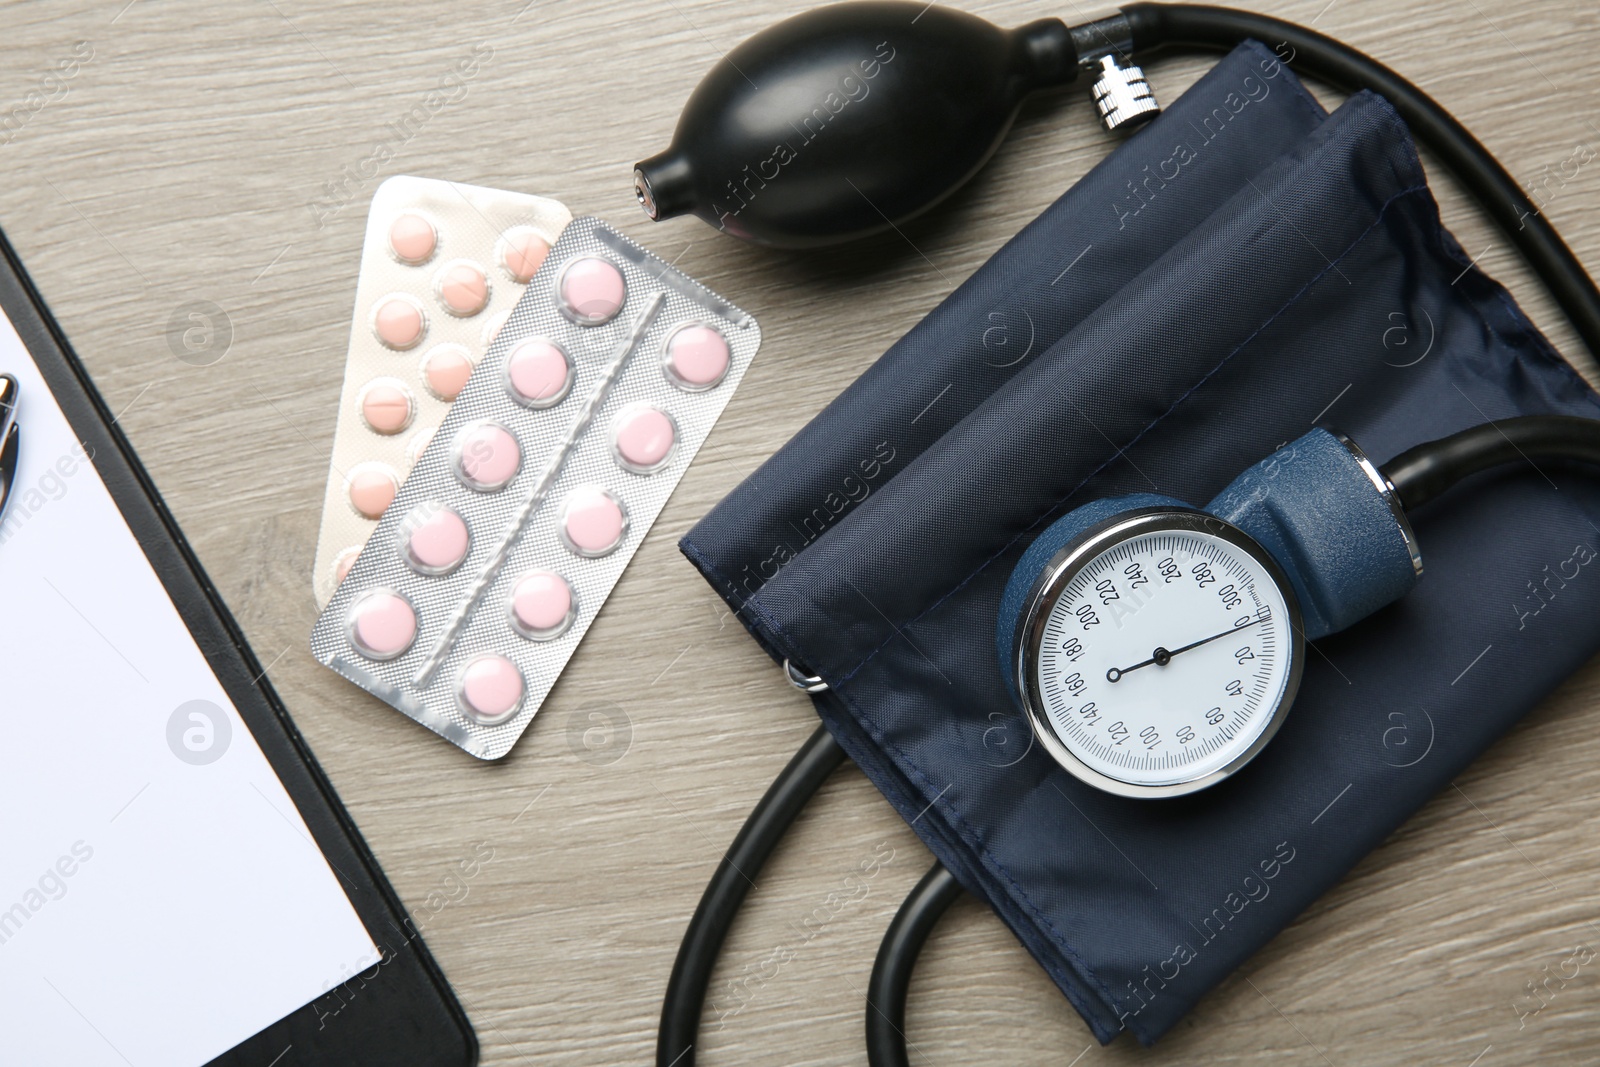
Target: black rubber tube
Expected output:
[897,956]
[1420,474]
[819,757]
[1158,26]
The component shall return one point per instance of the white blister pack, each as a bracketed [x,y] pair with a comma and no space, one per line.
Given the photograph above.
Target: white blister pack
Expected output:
[442,266]
[520,515]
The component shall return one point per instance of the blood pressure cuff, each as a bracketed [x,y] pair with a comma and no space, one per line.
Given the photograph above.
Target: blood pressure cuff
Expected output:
[1242,269]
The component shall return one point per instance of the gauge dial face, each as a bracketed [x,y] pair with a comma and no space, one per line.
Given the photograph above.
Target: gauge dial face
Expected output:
[1163,657]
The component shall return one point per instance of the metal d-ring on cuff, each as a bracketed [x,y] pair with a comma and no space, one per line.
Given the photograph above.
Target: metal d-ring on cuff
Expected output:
[806,683]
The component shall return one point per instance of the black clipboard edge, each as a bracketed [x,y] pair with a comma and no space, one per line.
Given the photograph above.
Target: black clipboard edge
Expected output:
[403,1010]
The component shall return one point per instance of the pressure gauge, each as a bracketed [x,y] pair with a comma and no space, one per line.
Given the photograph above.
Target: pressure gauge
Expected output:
[1158,652]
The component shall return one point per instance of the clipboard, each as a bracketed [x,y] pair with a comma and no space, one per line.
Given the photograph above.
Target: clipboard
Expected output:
[398,1010]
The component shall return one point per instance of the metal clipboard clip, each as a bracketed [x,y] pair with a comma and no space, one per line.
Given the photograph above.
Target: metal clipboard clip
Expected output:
[10,434]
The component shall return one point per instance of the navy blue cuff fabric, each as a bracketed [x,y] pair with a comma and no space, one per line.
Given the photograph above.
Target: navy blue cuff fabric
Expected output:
[1100,235]
[1282,270]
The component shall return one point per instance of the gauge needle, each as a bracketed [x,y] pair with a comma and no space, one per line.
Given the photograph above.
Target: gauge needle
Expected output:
[1163,657]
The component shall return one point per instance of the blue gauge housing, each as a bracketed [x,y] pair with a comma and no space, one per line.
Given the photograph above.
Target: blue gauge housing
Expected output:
[1318,506]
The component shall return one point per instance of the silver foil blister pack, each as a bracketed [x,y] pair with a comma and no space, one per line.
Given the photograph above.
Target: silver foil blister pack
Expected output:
[518,518]
[442,265]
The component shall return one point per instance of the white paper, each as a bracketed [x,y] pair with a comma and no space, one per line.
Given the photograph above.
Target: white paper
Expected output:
[154,908]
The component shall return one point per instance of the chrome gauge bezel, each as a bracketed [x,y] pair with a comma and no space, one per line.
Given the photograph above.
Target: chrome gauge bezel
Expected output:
[1059,572]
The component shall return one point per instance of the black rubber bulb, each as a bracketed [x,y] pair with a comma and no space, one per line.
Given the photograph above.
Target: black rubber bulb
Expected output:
[845,120]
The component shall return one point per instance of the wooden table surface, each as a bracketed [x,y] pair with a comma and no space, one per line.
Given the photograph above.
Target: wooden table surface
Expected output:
[184,160]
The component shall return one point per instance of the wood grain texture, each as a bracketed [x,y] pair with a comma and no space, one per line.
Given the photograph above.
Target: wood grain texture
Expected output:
[182,163]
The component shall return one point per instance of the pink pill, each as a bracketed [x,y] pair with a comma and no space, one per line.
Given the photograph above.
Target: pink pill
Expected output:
[343,562]
[387,406]
[412,238]
[372,488]
[490,689]
[446,369]
[398,321]
[642,438]
[538,373]
[697,357]
[522,253]
[592,521]
[382,624]
[492,326]
[541,605]
[487,456]
[462,288]
[592,291]
[435,539]
[419,443]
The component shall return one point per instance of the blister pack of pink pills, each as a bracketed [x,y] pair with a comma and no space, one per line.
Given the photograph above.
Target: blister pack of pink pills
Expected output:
[520,515]
[442,266]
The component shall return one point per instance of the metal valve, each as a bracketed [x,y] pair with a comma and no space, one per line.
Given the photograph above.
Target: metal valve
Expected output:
[1123,96]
